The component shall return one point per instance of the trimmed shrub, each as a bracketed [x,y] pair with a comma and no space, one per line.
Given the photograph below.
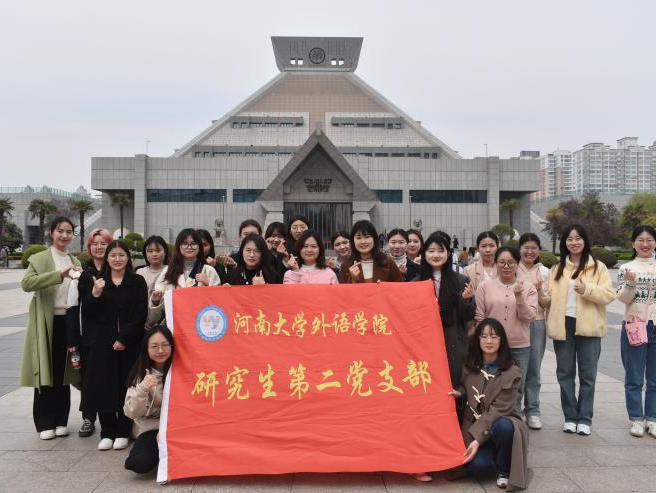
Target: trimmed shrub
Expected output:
[624,256]
[83,257]
[548,259]
[32,249]
[605,256]
[133,237]
[512,243]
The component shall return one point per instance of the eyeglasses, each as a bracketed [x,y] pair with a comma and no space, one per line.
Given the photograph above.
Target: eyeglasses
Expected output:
[251,252]
[117,256]
[506,263]
[164,347]
[98,245]
[189,246]
[491,337]
[529,249]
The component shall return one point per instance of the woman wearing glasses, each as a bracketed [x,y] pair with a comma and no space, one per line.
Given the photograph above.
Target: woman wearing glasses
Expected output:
[254,266]
[117,303]
[186,269]
[531,271]
[511,301]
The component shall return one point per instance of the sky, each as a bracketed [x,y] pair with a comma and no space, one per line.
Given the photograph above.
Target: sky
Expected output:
[82,79]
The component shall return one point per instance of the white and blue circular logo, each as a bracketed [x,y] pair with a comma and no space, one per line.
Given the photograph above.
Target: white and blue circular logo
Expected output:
[211,323]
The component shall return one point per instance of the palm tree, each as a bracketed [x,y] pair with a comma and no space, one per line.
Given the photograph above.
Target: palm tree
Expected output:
[82,206]
[121,199]
[6,206]
[553,225]
[510,205]
[41,208]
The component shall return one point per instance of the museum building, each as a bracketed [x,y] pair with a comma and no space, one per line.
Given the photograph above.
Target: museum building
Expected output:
[316,140]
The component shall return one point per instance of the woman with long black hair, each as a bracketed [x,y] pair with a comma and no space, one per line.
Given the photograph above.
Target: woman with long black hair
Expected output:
[118,305]
[368,263]
[397,246]
[143,400]
[579,291]
[455,298]
[253,264]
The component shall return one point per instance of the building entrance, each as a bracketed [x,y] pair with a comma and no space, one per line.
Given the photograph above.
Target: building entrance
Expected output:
[325,217]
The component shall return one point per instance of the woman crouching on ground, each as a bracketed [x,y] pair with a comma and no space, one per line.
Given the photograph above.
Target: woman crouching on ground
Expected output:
[143,400]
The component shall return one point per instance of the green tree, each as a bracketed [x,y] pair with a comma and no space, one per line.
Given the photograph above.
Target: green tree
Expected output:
[6,206]
[121,199]
[504,231]
[82,206]
[12,237]
[639,210]
[510,205]
[554,226]
[41,208]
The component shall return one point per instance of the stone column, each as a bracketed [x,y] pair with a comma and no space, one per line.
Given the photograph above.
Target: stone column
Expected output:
[141,161]
[493,168]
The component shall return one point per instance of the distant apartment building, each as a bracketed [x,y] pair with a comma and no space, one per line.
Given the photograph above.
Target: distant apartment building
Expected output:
[597,167]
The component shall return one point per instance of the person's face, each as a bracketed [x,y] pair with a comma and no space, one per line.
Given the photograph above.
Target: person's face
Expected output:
[155,254]
[206,248]
[251,255]
[436,256]
[189,248]
[397,245]
[310,251]
[364,243]
[487,248]
[489,342]
[159,349]
[529,252]
[414,245]
[62,236]
[644,245]
[342,247]
[248,230]
[506,266]
[117,259]
[296,228]
[97,247]
[574,243]
[275,239]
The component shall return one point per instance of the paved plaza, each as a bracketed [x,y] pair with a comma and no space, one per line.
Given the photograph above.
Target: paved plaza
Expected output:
[610,460]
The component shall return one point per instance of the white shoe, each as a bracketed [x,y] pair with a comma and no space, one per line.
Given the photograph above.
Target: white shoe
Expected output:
[422,476]
[569,427]
[651,428]
[120,443]
[534,422]
[61,431]
[502,482]
[584,430]
[47,435]
[105,444]
[636,428]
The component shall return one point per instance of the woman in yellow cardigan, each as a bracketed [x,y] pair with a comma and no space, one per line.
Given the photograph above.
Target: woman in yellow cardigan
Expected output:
[579,290]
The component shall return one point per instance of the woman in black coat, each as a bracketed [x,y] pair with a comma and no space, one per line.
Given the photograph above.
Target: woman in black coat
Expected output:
[455,298]
[118,305]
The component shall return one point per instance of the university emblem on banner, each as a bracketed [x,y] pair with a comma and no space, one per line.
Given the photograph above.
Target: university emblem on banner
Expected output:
[211,323]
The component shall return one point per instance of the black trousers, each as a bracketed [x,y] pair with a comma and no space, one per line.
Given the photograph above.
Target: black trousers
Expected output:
[144,455]
[84,358]
[114,425]
[52,404]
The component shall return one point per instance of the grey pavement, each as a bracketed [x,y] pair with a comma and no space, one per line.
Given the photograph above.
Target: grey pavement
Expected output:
[610,460]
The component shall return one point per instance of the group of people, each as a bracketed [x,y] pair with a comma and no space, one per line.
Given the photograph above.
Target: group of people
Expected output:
[101,325]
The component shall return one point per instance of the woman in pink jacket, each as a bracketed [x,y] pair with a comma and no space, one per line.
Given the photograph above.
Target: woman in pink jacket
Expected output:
[311,267]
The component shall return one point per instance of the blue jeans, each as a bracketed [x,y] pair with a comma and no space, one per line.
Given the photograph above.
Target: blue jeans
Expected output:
[533,378]
[521,355]
[496,451]
[639,363]
[577,354]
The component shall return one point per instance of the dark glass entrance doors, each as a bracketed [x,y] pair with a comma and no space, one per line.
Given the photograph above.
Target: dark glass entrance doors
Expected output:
[325,217]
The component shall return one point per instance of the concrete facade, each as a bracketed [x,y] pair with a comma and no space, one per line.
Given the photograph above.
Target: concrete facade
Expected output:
[314,138]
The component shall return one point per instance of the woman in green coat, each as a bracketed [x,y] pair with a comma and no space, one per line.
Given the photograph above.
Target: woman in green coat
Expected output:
[46,365]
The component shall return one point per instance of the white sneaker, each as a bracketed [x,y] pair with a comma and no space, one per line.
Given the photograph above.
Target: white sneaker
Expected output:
[584,430]
[636,428]
[569,427]
[651,428]
[47,435]
[534,422]
[61,431]
[105,444]
[120,443]
[502,482]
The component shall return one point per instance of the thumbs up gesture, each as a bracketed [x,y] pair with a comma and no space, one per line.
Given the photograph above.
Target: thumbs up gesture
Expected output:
[258,279]
[99,284]
[519,290]
[580,286]
[630,276]
[150,380]
[354,271]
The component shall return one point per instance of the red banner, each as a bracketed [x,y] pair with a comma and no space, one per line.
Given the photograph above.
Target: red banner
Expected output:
[280,379]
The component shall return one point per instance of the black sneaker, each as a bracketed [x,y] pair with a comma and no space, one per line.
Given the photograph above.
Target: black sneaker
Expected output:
[87,429]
